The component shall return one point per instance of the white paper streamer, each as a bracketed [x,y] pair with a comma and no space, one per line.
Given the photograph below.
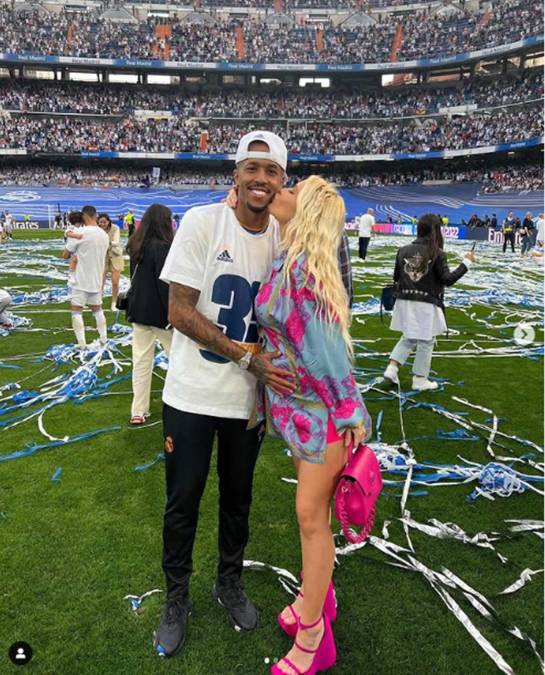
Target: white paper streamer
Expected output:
[525,577]
[137,600]
[453,531]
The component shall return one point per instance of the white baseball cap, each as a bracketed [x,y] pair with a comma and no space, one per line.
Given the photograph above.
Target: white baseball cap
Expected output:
[277,152]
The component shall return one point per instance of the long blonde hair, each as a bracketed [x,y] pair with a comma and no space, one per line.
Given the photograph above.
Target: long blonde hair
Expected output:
[316,231]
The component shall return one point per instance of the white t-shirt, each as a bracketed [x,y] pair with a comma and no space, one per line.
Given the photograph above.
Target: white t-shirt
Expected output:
[214,254]
[91,251]
[366,224]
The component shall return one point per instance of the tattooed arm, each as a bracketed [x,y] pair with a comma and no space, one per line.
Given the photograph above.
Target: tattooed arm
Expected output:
[185,317]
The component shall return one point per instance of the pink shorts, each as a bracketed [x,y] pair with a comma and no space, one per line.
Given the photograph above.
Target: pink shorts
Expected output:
[332,434]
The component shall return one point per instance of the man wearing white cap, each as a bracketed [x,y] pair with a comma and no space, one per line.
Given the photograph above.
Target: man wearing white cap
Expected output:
[216,264]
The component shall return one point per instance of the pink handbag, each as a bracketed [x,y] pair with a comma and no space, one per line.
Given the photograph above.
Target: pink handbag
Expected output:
[357,493]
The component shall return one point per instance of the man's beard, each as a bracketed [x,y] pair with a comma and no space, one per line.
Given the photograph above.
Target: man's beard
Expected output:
[257,209]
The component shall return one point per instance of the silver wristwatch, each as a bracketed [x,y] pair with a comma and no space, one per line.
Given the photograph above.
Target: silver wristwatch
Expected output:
[244,362]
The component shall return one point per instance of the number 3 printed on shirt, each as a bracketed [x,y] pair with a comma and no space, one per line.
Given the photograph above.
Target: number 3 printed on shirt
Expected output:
[236,298]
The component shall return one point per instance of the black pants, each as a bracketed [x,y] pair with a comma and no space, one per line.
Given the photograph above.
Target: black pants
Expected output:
[509,236]
[364,243]
[191,438]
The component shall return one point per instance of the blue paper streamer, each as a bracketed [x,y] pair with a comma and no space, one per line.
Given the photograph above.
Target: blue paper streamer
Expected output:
[33,448]
[160,457]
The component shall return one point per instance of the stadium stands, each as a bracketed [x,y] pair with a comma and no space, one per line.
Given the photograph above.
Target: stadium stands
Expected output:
[473,107]
[285,5]
[425,34]
[500,178]
[296,5]
[177,134]
[48,97]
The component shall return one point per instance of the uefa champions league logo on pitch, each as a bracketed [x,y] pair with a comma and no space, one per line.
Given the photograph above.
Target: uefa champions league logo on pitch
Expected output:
[20,196]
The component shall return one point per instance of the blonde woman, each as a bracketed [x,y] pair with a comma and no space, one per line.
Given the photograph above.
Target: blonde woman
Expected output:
[304,316]
[114,257]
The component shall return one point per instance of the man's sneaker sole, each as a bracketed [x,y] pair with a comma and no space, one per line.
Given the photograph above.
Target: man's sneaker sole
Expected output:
[234,624]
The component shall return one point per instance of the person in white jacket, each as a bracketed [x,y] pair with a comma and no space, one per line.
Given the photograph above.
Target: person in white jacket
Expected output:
[365,227]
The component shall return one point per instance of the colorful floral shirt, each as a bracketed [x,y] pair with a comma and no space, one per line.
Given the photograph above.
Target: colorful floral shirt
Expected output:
[316,352]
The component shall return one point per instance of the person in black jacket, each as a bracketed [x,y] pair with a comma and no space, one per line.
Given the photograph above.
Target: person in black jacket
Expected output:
[147,308]
[420,276]
[508,229]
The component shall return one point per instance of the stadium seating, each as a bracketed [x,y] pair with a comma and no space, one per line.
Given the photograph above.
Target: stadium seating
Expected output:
[51,97]
[426,34]
[177,134]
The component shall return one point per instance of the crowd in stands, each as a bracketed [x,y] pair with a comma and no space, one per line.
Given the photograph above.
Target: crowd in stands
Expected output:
[417,136]
[84,34]
[287,5]
[514,178]
[424,34]
[299,45]
[501,178]
[215,42]
[96,176]
[177,134]
[293,5]
[400,102]
[427,35]
[381,4]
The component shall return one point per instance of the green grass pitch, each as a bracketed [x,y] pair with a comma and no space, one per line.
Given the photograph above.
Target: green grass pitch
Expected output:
[70,550]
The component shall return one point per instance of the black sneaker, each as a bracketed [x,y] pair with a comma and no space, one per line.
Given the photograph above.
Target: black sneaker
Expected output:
[241,611]
[170,636]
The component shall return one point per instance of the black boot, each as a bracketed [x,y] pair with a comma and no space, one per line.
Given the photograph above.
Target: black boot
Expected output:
[229,592]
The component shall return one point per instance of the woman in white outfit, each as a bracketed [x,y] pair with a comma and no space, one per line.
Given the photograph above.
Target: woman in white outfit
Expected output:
[420,276]
[147,308]
[114,257]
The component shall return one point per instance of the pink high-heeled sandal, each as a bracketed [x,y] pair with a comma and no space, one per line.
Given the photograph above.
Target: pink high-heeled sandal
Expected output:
[330,610]
[325,655]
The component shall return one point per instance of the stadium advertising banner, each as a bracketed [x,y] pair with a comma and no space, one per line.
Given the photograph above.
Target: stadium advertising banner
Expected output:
[407,229]
[496,237]
[322,159]
[432,154]
[30,224]
[458,232]
[158,64]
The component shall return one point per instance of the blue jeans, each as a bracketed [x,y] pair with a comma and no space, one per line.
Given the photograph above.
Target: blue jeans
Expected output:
[423,356]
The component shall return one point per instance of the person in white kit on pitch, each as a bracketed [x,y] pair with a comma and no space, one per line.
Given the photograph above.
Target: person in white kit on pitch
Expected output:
[5,302]
[365,227]
[86,280]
